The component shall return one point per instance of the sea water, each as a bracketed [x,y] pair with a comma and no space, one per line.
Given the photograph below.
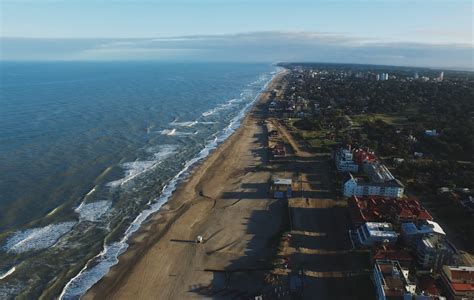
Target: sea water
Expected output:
[89,150]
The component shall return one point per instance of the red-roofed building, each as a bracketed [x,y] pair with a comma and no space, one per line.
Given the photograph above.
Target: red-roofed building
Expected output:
[360,156]
[458,282]
[404,257]
[379,209]
[427,285]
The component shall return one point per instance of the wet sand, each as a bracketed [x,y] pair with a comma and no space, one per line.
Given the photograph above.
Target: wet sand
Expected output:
[226,201]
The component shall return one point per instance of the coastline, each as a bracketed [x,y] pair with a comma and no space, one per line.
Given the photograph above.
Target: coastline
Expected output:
[194,199]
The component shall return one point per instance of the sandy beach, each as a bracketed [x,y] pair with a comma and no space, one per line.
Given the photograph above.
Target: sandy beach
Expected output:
[226,201]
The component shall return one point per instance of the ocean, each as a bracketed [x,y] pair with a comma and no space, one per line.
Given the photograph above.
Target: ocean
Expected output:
[88,150]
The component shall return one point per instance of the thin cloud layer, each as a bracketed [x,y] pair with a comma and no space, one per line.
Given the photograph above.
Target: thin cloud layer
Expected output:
[244,47]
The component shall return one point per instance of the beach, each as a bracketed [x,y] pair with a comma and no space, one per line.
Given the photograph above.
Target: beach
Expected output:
[225,200]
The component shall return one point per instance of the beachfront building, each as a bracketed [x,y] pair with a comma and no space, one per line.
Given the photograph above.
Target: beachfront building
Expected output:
[411,233]
[344,161]
[381,209]
[403,256]
[429,243]
[458,282]
[428,285]
[434,251]
[373,233]
[392,281]
[380,182]
[358,187]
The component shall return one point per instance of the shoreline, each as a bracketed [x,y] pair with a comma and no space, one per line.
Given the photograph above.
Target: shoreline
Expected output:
[182,200]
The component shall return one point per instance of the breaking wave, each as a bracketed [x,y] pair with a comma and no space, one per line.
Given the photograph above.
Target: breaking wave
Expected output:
[184,124]
[100,265]
[7,273]
[136,168]
[221,107]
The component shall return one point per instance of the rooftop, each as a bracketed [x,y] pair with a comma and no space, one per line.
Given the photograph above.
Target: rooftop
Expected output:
[391,183]
[380,229]
[427,284]
[395,279]
[282,181]
[404,257]
[428,227]
[461,278]
[372,209]
[378,172]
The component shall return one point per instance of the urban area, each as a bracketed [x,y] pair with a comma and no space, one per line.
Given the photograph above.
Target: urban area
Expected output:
[377,168]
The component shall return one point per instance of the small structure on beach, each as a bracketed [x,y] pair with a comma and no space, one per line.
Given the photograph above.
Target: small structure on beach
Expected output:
[281,187]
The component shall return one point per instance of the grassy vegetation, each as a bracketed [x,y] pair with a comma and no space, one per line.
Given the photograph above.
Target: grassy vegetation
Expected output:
[395,119]
[315,138]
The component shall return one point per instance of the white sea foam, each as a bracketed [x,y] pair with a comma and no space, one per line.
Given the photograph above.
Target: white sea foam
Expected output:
[93,211]
[184,124]
[174,132]
[132,170]
[108,257]
[37,238]
[221,107]
[7,273]
[139,167]
[168,131]
[162,152]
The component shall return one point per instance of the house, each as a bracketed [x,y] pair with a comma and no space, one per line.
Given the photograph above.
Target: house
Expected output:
[431,132]
[458,282]
[344,161]
[418,154]
[373,233]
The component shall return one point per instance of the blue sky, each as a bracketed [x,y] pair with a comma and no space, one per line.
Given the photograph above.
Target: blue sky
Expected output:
[378,24]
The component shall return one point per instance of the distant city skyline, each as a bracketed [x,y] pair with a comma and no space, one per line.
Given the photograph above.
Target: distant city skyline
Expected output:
[428,33]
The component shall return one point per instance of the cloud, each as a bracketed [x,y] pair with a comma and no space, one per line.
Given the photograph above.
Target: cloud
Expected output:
[245,47]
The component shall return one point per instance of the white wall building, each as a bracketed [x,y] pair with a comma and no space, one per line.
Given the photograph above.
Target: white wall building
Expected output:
[372,233]
[391,189]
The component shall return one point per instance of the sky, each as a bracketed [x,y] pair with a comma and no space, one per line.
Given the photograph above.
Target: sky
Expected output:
[401,32]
